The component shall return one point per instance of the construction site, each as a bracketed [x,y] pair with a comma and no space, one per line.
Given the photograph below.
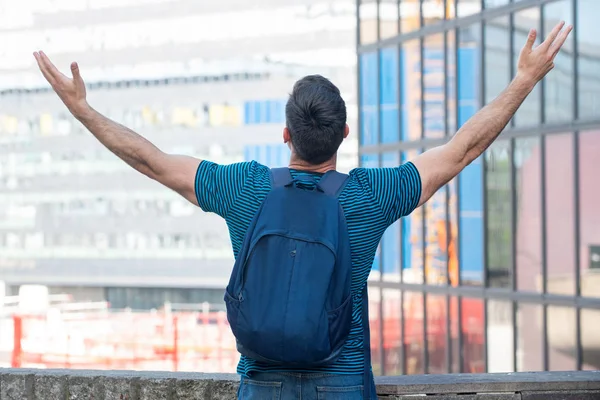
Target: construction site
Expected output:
[39,330]
[52,331]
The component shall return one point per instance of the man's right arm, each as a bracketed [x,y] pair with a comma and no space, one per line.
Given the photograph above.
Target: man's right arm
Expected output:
[176,172]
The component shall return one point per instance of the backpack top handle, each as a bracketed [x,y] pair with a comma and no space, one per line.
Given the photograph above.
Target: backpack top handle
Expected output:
[332,183]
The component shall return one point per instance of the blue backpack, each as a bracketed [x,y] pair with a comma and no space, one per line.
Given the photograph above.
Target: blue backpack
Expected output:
[288,299]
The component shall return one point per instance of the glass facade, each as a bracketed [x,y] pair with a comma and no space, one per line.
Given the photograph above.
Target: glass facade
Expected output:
[500,270]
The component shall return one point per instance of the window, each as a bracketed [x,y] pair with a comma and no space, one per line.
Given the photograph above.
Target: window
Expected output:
[368,99]
[500,336]
[390,241]
[562,334]
[468,7]
[436,239]
[589,339]
[375,322]
[412,239]
[433,11]
[413,333]
[388,93]
[529,112]
[499,213]
[594,256]
[470,195]
[451,82]
[494,3]
[433,85]
[388,18]
[527,159]
[497,58]
[410,81]
[436,334]
[368,21]
[558,91]
[530,349]
[468,72]
[588,46]
[392,338]
[560,214]
[410,15]
[472,326]
[589,212]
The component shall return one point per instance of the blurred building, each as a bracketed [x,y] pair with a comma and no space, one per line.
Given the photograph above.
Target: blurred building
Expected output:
[203,78]
[500,270]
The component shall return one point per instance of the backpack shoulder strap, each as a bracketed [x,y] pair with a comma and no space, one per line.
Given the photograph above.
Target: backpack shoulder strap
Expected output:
[333,182]
[280,177]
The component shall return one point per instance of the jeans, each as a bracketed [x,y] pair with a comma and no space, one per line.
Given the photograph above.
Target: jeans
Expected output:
[298,386]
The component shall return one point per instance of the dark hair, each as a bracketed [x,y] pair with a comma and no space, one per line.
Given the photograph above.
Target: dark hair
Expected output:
[316,118]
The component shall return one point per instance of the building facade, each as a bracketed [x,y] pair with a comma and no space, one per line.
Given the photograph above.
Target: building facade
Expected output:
[207,79]
[500,270]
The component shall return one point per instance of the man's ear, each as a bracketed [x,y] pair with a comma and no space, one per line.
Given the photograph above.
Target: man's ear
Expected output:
[286,135]
[346,131]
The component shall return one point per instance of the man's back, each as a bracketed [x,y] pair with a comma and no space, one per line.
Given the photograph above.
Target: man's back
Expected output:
[372,200]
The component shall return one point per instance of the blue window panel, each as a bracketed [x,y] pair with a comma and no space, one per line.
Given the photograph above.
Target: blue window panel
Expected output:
[261,155]
[282,157]
[275,111]
[368,127]
[406,74]
[391,249]
[470,198]
[251,153]
[257,112]
[282,113]
[471,223]
[369,161]
[409,224]
[267,110]
[468,81]
[389,76]
[264,111]
[435,90]
[248,113]
[403,105]
[433,54]
[406,245]
[269,153]
[389,95]
[389,160]
[391,238]
[389,125]
[368,99]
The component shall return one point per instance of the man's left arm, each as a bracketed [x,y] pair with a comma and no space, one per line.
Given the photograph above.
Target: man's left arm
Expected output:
[439,165]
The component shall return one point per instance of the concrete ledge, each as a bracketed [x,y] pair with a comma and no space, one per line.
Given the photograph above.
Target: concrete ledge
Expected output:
[30,384]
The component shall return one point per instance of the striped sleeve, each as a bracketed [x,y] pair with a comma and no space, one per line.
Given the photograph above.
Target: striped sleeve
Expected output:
[397,190]
[218,186]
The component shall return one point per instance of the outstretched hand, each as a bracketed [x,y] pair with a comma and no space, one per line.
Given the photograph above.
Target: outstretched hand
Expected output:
[70,90]
[534,64]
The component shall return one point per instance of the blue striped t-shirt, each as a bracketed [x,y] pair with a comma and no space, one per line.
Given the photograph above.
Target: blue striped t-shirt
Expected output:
[373,199]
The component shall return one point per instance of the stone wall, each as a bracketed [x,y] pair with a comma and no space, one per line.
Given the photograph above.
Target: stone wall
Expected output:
[28,384]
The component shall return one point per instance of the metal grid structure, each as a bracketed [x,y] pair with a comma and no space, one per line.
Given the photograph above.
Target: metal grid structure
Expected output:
[529,300]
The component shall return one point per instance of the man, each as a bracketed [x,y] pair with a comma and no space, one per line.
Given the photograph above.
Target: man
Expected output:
[372,199]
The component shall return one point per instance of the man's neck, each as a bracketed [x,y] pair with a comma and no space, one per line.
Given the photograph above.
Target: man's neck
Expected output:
[300,165]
